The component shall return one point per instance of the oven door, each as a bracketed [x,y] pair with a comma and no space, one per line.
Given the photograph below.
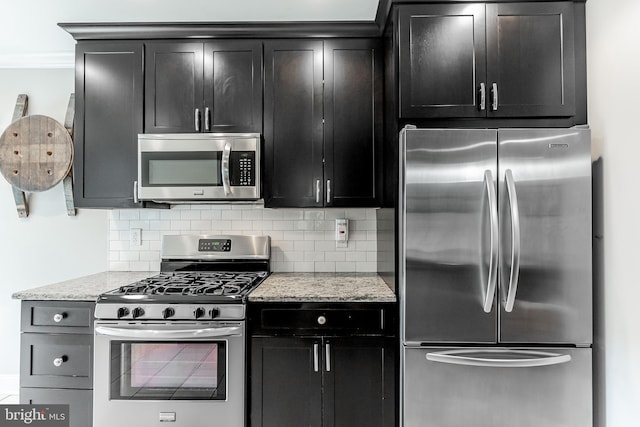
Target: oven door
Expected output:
[164,371]
[198,167]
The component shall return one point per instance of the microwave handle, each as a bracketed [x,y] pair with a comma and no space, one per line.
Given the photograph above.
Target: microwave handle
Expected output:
[226,180]
[135,192]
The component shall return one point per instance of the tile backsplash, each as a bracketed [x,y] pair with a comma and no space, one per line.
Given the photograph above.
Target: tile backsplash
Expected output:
[302,240]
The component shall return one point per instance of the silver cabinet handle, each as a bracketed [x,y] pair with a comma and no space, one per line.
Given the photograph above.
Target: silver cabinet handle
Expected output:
[226,180]
[135,192]
[494,96]
[515,242]
[496,358]
[483,97]
[317,191]
[58,317]
[327,357]
[58,361]
[207,120]
[328,191]
[321,320]
[169,333]
[196,119]
[492,278]
[316,362]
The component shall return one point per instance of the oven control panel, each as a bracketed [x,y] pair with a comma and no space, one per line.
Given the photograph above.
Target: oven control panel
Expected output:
[214,245]
[168,311]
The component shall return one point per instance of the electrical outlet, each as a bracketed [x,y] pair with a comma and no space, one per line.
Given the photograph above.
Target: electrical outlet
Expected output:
[135,237]
[342,232]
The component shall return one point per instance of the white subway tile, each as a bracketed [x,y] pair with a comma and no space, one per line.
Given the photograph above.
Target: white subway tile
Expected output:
[114,215]
[372,256]
[253,214]
[180,225]
[345,267]
[366,267]
[293,235]
[129,214]
[284,245]
[356,214]
[355,256]
[333,214]
[335,256]
[129,255]
[262,225]
[272,214]
[283,267]
[150,235]
[324,225]
[303,225]
[231,214]
[283,225]
[155,245]
[240,225]
[114,235]
[119,245]
[114,255]
[119,266]
[314,215]
[313,235]
[170,214]
[276,254]
[181,207]
[324,245]
[372,235]
[303,267]
[149,256]
[372,214]
[292,214]
[211,214]
[119,225]
[313,256]
[200,225]
[201,207]
[154,266]
[190,215]
[139,224]
[323,266]
[140,266]
[159,225]
[356,235]
[293,256]
[366,245]
[221,225]
[275,235]
[123,235]
[304,245]
[149,214]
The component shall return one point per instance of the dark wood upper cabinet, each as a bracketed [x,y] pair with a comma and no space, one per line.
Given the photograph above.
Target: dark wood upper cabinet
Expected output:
[353,121]
[293,123]
[109,100]
[442,60]
[322,122]
[203,87]
[524,68]
[233,86]
[530,58]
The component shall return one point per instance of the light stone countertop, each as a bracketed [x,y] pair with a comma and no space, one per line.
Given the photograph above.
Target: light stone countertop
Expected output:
[86,288]
[323,287]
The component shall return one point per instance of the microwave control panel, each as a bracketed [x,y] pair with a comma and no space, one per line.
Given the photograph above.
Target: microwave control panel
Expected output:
[242,169]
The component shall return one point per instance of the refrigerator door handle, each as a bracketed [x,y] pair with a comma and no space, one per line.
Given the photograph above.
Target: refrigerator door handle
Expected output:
[499,358]
[515,242]
[493,263]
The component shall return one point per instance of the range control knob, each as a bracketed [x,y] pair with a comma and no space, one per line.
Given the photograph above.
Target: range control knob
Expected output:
[137,312]
[214,312]
[198,312]
[168,312]
[122,311]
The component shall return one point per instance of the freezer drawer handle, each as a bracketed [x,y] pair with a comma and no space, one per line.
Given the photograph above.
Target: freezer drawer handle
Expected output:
[498,358]
[515,242]
[493,263]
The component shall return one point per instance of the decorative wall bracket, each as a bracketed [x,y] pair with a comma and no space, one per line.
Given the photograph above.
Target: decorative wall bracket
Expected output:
[36,153]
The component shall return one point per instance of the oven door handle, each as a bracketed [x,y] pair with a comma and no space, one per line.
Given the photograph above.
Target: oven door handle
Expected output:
[169,333]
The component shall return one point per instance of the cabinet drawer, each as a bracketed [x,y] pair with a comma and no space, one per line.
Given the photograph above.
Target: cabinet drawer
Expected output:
[72,317]
[79,401]
[314,319]
[56,360]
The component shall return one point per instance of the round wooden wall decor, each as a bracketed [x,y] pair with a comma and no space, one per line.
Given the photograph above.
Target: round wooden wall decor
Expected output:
[35,153]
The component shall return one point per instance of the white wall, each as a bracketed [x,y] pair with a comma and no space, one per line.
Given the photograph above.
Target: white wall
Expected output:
[48,246]
[613,51]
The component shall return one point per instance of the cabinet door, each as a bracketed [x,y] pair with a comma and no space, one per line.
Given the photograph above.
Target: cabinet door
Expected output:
[80,402]
[233,86]
[359,382]
[109,102]
[442,60]
[173,87]
[353,121]
[293,123]
[286,382]
[530,57]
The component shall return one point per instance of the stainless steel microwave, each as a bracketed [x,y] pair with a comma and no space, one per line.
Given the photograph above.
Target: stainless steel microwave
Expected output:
[198,167]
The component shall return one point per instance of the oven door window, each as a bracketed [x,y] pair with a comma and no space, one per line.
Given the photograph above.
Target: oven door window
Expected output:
[145,370]
[181,169]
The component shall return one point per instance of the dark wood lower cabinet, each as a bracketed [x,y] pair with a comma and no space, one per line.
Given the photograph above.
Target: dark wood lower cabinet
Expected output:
[80,402]
[322,382]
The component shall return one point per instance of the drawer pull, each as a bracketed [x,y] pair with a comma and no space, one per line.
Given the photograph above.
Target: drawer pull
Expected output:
[58,317]
[58,361]
[322,320]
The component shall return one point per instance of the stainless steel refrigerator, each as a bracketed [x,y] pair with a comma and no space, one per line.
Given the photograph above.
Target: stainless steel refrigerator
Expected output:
[495,277]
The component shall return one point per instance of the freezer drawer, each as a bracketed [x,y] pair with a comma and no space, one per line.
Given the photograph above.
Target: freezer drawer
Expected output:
[497,387]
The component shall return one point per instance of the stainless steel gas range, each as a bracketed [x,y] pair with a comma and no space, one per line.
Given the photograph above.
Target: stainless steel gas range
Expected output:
[170,349]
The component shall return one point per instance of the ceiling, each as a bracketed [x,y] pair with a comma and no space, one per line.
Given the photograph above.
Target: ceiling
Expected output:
[26,34]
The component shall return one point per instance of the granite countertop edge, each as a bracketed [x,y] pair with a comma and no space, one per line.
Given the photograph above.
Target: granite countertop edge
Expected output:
[278,287]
